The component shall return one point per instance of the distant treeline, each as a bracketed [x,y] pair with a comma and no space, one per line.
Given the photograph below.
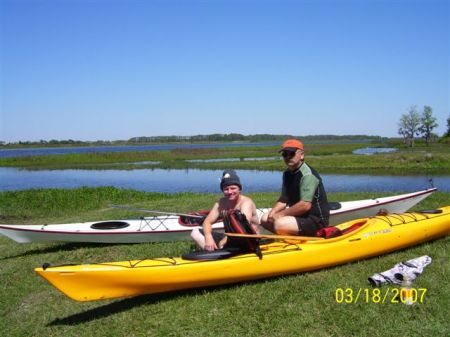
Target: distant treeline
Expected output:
[217,137]
[237,137]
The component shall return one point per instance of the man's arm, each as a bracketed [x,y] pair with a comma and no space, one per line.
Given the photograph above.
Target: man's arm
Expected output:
[277,210]
[207,227]
[297,209]
[308,187]
[248,208]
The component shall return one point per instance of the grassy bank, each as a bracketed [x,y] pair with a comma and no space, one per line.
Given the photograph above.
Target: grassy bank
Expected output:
[297,305]
[327,158]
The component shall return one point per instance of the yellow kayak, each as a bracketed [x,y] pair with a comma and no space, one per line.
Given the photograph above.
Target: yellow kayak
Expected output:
[367,237]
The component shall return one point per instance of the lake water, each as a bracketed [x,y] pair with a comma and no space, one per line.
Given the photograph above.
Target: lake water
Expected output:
[374,150]
[203,181]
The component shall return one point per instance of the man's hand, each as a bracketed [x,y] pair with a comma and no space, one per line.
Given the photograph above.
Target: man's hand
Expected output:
[270,217]
[210,244]
[274,216]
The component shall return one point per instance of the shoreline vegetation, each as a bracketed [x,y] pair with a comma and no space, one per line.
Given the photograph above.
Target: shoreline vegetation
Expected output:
[197,139]
[325,157]
[32,307]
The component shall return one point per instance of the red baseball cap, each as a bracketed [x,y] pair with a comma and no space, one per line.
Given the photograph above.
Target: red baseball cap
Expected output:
[292,145]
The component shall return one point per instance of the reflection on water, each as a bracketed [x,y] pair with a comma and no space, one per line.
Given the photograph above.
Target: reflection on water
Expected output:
[374,150]
[148,162]
[202,181]
[214,160]
[219,160]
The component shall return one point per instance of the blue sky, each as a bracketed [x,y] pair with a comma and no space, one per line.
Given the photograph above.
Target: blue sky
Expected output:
[115,69]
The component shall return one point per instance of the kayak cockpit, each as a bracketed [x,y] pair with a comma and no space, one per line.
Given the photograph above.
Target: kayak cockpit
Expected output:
[108,225]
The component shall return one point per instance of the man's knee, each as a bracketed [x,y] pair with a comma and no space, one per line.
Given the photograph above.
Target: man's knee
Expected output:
[286,225]
[263,222]
[264,218]
[195,233]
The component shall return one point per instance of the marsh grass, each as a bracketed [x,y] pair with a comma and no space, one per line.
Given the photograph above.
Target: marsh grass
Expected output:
[296,305]
[327,158]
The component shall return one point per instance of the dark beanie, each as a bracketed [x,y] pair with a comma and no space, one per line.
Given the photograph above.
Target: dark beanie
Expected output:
[229,177]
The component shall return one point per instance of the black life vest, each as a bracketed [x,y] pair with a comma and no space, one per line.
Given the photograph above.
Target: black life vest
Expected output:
[319,205]
[236,222]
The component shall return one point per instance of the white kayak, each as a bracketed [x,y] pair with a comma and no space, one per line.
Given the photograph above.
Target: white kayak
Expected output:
[174,228]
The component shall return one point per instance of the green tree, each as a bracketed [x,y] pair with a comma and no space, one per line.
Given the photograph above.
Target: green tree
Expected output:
[409,125]
[428,123]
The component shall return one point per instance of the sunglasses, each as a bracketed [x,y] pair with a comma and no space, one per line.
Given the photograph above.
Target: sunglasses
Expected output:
[288,154]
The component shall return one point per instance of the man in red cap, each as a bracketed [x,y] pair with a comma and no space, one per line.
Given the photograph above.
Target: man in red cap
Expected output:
[302,208]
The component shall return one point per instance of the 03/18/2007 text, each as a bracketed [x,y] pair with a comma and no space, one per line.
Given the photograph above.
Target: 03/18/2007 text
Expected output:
[377,295]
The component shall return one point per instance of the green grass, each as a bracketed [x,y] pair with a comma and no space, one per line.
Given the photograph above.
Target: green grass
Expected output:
[297,305]
[327,158]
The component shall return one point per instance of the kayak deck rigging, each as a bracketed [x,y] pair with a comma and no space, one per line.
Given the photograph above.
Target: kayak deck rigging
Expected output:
[403,217]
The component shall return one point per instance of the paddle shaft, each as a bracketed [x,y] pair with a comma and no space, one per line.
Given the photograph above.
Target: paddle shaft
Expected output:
[274,236]
[155,212]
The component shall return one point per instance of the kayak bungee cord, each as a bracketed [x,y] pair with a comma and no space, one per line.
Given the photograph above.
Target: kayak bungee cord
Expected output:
[415,216]
[155,212]
[147,223]
[388,219]
[172,261]
[131,265]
